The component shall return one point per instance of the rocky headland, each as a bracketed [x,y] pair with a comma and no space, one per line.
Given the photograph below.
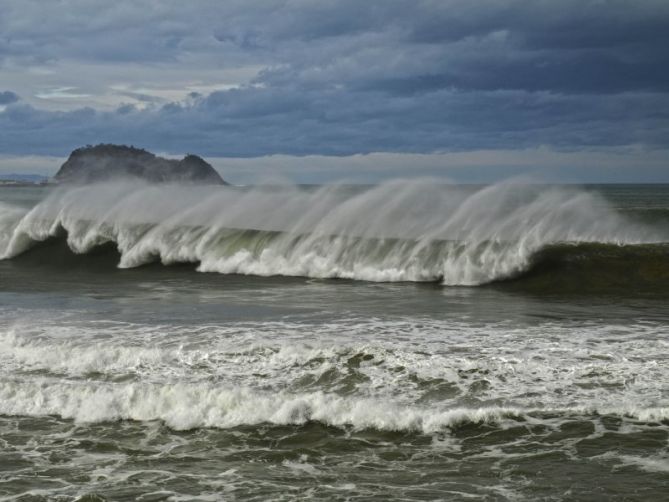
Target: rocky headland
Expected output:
[107,162]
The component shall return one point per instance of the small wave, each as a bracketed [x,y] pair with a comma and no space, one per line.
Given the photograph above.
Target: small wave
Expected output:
[397,231]
[445,363]
[183,407]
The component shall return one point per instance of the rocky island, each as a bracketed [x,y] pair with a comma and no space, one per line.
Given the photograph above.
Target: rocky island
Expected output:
[107,162]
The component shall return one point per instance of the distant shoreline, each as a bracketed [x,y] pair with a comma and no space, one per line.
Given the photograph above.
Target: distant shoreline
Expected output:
[14,183]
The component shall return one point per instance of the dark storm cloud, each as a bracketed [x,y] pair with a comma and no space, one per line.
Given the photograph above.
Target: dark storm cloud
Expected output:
[560,46]
[350,77]
[255,121]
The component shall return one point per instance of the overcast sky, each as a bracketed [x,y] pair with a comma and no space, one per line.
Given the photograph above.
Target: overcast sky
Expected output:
[317,90]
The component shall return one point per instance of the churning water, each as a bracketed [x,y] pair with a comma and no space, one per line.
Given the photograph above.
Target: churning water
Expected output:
[507,342]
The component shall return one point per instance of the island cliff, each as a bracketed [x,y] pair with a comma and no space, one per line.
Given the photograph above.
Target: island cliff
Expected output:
[108,162]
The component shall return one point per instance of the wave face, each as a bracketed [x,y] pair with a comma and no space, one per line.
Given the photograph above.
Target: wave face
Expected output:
[397,231]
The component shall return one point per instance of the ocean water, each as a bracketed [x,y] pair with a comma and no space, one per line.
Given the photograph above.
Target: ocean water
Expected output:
[407,341]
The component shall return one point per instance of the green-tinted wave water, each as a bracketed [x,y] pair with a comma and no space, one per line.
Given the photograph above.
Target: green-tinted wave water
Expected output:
[485,343]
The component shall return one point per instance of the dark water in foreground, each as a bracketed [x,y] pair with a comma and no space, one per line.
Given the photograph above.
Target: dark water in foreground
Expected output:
[413,344]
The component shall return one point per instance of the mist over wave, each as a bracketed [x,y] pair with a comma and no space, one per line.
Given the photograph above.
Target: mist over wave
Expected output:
[397,231]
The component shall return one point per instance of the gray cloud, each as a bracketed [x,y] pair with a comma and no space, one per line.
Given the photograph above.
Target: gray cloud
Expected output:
[346,77]
[297,121]
[8,97]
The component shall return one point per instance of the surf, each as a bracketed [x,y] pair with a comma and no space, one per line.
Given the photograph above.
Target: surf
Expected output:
[418,231]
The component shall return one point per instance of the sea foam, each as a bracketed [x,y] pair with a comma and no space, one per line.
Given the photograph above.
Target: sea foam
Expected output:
[417,375]
[183,406]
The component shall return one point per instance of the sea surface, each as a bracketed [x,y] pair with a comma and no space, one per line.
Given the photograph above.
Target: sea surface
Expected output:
[406,341]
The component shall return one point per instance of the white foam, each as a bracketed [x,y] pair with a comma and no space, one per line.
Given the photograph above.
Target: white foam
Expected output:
[220,379]
[656,463]
[183,406]
[407,361]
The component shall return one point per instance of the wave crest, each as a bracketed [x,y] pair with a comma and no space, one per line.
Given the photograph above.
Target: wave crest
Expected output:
[397,231]
[184,406]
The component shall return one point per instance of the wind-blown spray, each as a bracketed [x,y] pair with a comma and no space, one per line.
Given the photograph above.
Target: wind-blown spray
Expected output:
[397,231]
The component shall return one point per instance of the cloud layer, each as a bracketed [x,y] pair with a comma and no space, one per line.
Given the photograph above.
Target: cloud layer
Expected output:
[305,77]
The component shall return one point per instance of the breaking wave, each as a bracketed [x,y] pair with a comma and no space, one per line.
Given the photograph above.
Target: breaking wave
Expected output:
[396,231]
[353,373]
[183,406]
